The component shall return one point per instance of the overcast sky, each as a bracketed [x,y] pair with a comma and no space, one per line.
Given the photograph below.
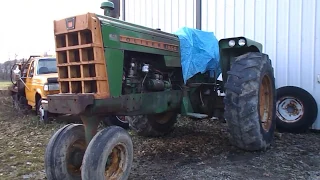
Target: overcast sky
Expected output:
[27,25]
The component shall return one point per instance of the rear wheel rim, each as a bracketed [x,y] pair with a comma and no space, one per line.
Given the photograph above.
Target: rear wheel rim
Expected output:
[122,119]
[289,109]
[266,102]
[163,118]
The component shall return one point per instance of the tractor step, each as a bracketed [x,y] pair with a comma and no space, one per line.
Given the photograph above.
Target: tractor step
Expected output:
[197,115]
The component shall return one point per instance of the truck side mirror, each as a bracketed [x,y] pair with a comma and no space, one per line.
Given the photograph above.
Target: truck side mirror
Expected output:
[17,71]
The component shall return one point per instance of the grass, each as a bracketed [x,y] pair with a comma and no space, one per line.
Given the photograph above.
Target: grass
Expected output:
[23,141]
[4,84]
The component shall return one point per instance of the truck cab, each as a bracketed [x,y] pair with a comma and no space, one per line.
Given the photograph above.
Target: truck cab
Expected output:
[41,80]
[37,78]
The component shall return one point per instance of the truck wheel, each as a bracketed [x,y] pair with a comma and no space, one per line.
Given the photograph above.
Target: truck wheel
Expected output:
[121,121]
[153,125]
[250,102]
[41,113]
[64,153]
[297,110]
[109,155]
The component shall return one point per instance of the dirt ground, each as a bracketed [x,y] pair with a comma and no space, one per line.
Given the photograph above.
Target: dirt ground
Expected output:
[195,150]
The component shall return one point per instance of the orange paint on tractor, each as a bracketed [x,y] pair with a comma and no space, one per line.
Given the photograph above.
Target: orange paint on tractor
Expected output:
[149,43]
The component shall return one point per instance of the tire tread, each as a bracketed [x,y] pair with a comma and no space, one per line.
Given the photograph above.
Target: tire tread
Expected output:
[241,101]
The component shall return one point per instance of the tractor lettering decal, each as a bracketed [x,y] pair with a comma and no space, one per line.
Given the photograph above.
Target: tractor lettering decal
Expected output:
[149,43]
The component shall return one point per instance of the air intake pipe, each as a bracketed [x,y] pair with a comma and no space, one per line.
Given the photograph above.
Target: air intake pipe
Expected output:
[111,8]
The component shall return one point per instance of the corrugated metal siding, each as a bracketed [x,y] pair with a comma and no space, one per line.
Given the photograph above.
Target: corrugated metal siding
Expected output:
[288,29]
[316,67]
[168,15]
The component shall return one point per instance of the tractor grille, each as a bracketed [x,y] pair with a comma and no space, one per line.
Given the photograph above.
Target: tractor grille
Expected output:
[80,57]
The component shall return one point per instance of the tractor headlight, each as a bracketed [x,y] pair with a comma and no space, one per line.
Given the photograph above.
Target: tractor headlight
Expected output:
[51,87]
[232,43]
[242,42]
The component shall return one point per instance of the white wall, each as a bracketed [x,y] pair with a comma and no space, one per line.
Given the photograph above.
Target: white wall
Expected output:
[169,15]
[289,30]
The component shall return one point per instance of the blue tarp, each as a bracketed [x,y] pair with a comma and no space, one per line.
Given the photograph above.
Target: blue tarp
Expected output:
[199,52]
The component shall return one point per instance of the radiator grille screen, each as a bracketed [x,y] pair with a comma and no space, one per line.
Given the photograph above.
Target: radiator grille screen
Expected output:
[80,57]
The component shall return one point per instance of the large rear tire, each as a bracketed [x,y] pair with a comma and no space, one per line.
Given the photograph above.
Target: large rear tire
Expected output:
[153,125]
[121,121]
[250,102]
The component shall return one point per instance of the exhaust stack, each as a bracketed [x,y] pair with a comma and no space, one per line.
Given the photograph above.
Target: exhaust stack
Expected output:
[111,8]
[107,7]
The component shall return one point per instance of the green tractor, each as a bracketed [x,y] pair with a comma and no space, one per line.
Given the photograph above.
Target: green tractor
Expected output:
[109,67]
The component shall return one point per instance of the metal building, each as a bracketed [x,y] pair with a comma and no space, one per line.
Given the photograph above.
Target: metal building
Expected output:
[289,30]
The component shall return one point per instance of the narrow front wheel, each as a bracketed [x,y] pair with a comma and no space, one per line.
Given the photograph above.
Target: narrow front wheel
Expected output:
[64,152]
[109,155]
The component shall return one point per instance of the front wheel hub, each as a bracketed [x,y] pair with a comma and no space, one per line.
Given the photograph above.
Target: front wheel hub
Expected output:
[115,163]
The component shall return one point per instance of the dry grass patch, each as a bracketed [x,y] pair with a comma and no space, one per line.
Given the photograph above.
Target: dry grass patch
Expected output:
[4,84]
[23,141]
